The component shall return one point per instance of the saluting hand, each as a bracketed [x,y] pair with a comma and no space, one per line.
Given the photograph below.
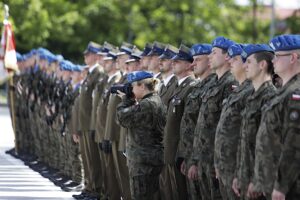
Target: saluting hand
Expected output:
[120,94]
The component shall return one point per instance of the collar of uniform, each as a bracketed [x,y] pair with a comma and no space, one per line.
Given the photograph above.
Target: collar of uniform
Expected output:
[115,74]
[168,79]
[206,79]
[225,75]
[182,80]
[148,95]
[261,89]
[92,68]
[291,81]
[245,84]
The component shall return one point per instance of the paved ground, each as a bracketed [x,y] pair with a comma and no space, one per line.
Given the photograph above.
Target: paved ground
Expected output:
[17,181]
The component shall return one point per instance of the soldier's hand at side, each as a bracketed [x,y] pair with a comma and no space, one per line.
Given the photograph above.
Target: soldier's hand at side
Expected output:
[276,195]
[193,172]
[75,138]
[251,193]
[235,187]
[120,94]
[217,173]
[183,168]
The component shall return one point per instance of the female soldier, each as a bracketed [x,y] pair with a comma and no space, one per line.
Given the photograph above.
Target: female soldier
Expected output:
[145,116]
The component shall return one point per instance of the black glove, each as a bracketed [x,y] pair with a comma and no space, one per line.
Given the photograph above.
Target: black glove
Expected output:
[107,146]
[101,146]
[179,161]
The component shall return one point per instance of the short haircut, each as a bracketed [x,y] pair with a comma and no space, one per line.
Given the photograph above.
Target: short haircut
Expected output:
[268,57]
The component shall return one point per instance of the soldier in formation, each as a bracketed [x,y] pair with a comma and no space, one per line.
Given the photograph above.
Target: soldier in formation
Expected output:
[214,121]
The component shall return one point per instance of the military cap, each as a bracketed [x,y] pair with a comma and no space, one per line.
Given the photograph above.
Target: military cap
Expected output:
[92,47]
[183,54]
[111,55]
[106,47]
[157,49]
[222,42]
[135,55]
[126,48]
[138,75]
[147,49]
[285,42]
[201,49]
[255,48]
[169,52]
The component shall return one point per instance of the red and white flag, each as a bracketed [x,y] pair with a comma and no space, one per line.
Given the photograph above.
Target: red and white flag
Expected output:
[8,57]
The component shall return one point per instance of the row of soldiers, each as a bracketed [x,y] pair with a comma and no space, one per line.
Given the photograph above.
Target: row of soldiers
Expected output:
[230,133]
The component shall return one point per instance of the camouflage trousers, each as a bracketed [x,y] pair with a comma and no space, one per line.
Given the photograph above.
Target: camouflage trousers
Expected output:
[209,185]
[145,187]
[294,192]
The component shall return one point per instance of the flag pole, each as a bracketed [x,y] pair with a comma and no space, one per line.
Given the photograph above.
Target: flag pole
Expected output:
[11,85]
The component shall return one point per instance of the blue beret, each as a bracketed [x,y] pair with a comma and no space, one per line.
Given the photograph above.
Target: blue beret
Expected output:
[59,57]
[285,42]
[78,68]
[254,48]
[183,54]
[200,49]
[92,47]
[235,50]
[138,75]
[169,52]
[157,49]
[147,49]
[66,65]
[222,42]
[19,57]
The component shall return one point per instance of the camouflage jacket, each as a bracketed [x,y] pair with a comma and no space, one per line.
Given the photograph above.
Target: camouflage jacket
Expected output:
[249,126]
[209,114]
[228,129]
[190,115]
[145,121]
[277,141]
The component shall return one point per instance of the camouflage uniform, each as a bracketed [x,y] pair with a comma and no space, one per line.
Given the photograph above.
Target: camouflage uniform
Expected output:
[251,116]
[187,127]
[208,118]
[228,135]
[145,122]
[277,143]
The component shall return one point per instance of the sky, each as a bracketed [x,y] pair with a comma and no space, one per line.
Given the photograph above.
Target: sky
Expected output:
[278,3]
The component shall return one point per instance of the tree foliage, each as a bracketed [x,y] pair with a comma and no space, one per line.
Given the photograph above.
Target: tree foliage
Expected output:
[66,26]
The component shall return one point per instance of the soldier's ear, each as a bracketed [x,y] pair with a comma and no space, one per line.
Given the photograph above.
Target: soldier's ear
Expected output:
[263,65]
